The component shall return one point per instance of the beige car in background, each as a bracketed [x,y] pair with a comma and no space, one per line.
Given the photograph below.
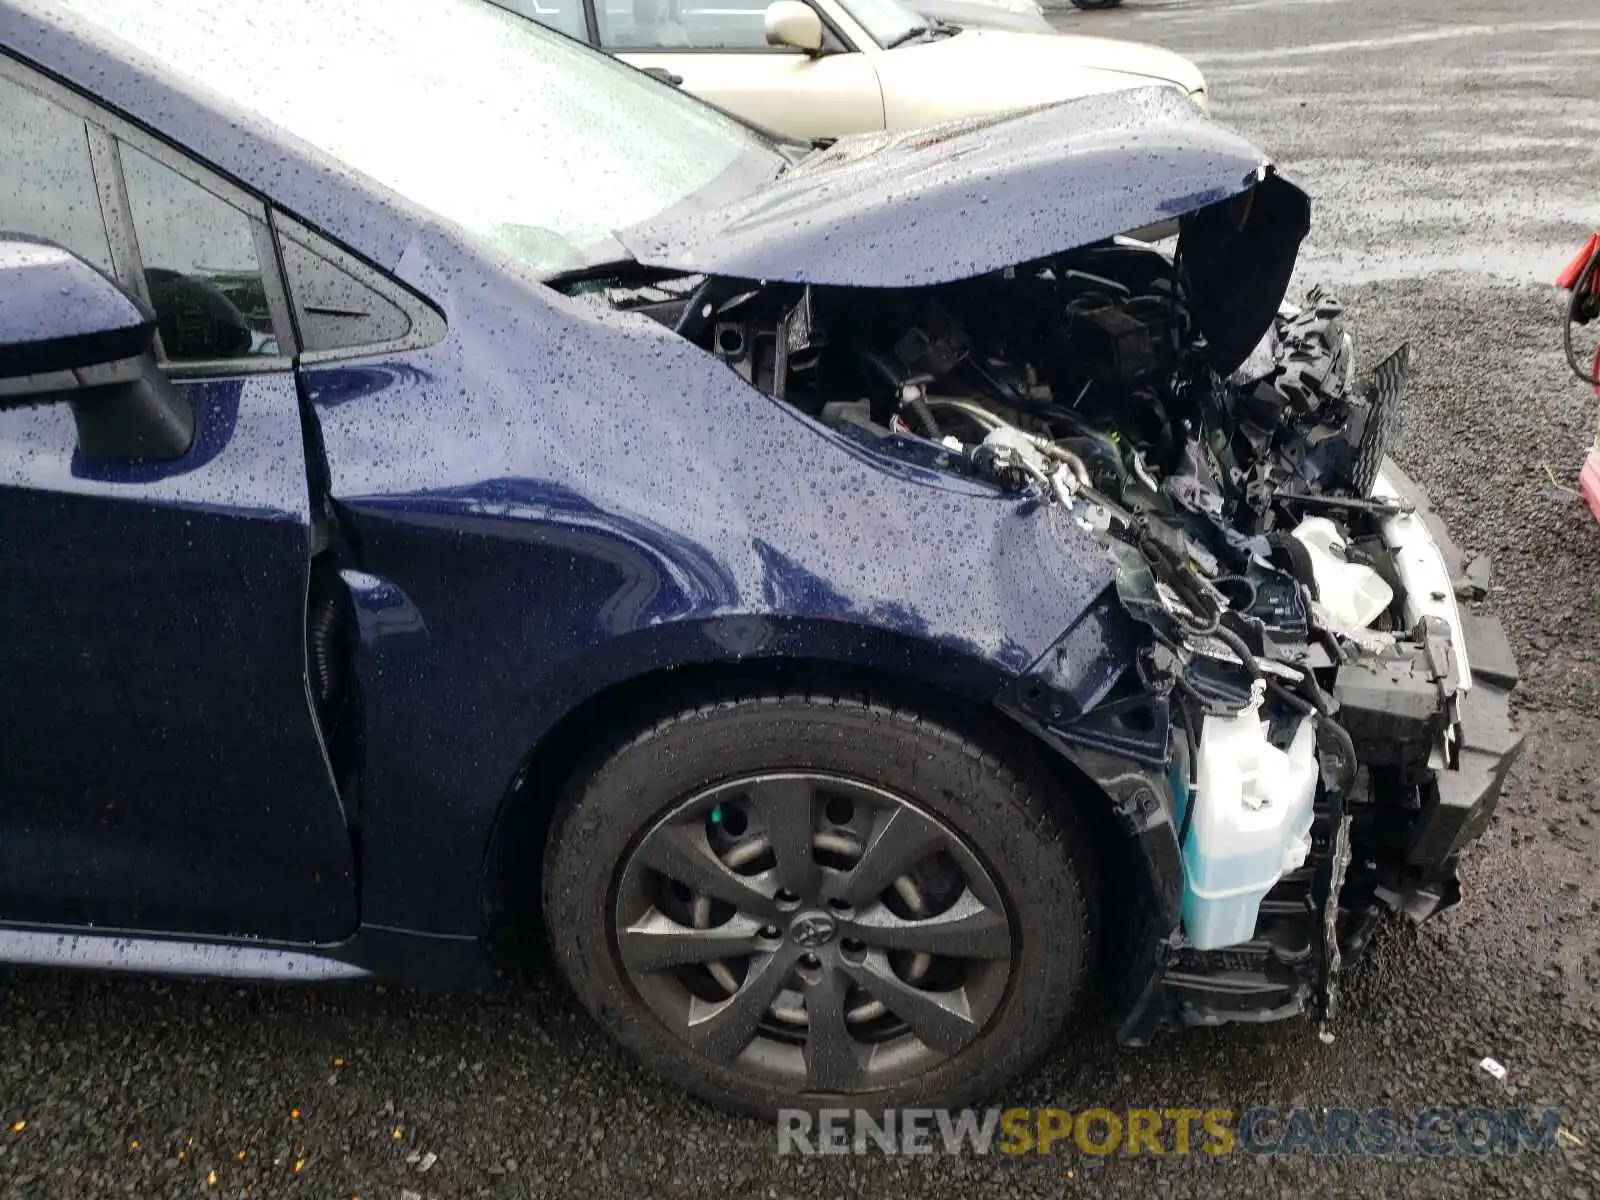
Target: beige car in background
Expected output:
[826,68]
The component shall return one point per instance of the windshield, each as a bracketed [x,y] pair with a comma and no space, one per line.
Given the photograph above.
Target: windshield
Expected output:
[887,22]
[540,145]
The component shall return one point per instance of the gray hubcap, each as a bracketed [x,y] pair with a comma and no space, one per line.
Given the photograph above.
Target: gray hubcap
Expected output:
[817,932]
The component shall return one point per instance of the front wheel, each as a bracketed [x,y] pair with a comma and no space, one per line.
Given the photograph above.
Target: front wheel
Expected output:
[803,900]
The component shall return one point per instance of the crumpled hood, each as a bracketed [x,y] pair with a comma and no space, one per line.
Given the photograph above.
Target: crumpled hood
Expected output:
[952,201]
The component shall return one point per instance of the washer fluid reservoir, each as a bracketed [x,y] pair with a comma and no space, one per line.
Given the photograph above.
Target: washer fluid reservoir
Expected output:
[1252,822]
[1351,595]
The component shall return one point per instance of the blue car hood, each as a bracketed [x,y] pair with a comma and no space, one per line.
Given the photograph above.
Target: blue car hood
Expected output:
[952,201]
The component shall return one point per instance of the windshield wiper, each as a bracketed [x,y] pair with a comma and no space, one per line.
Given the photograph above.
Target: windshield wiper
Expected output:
[918,31]
[618,272]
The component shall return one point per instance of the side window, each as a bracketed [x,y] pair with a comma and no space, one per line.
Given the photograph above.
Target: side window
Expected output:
[47,185]
[564,16]
[344,307]
[335,307]
[681,25]
[200,265]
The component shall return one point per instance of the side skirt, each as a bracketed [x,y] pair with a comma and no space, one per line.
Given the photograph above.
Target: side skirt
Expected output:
[426,961]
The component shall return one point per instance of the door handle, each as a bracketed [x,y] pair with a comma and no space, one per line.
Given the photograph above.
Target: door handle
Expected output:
[665,75]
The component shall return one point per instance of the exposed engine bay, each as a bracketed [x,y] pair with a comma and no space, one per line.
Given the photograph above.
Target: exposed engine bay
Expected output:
[1301,685]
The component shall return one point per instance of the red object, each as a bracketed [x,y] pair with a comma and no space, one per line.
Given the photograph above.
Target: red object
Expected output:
[1568,278]
[1589,476]
[1589,481]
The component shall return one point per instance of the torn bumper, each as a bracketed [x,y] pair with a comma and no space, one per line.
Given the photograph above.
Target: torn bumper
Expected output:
[1470,765]
[1464,795]
[1435,740]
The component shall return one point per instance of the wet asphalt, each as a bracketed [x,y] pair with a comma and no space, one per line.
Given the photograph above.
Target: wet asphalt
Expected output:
[1453,150]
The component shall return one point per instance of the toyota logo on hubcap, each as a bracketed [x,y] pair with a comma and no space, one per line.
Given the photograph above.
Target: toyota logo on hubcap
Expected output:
[812,930]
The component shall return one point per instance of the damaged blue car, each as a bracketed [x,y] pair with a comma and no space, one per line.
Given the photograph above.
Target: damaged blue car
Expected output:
[854,601]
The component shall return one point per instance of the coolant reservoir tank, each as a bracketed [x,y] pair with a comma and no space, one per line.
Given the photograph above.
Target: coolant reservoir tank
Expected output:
[1252,822]
[1351,595]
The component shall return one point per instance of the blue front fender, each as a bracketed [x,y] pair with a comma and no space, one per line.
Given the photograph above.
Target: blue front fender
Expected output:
[558,498]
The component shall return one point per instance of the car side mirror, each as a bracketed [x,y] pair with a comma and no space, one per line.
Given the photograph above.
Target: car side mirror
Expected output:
[70,335]
[795,25]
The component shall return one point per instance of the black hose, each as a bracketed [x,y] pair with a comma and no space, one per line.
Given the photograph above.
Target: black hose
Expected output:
[1177,286]
[1178,577]
[921,416]
[1187,586]
[1293,699]
[989,379]
[1579,286]
[1324,720]
[1347,747]
[1318,703]
[1312,691]
[1329,643]
[1248,589]
[912,404]
[1200,628]
[1210,704]
[1194,760]
[1319,707]
[1234,642]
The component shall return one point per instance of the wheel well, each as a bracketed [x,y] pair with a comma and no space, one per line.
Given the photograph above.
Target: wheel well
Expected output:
[515,859]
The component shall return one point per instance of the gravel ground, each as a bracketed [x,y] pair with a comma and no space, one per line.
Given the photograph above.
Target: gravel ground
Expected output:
[1452,148]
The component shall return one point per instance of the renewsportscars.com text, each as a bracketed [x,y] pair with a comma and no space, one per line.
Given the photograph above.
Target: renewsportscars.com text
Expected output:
[1376,1132]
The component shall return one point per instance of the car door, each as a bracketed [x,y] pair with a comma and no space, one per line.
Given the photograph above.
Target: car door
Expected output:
[161,765]
[719,52]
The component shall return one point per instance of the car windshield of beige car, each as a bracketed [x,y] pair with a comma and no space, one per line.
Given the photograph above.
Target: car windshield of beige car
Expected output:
[888,22]
[544,147]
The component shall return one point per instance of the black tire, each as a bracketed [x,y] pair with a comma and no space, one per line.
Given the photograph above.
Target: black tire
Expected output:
[1032,844]
[1093,5]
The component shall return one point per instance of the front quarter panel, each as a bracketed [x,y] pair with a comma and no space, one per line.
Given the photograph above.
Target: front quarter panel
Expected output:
[558,498]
